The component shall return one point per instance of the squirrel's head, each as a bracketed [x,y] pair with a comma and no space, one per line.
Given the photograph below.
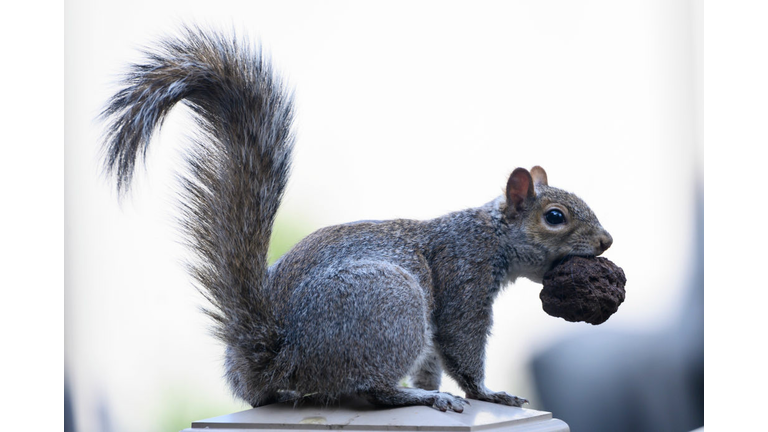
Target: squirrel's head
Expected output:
[555,223]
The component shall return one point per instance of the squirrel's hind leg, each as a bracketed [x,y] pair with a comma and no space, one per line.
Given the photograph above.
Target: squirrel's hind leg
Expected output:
[354,326]
[402,396]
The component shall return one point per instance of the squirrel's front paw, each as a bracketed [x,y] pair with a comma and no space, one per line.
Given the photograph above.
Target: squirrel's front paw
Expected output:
[500,398]
[447,401]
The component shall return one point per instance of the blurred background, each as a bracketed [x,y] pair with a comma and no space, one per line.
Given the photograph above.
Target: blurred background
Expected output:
[408,110]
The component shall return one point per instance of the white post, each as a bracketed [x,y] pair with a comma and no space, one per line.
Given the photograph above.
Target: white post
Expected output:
[358,415]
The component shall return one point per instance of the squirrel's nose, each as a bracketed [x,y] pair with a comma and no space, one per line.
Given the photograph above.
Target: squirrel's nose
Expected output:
[605,240]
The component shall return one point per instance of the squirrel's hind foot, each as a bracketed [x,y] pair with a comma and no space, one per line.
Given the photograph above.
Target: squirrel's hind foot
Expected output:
[402,396]
[502,398]
[277,397]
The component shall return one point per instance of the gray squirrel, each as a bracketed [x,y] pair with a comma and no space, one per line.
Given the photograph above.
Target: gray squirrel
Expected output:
[351,309]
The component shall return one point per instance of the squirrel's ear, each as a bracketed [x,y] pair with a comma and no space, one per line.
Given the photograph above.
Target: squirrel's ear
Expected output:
[519,188]
[539,176]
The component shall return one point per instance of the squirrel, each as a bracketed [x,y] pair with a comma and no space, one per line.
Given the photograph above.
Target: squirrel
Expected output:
[351,309]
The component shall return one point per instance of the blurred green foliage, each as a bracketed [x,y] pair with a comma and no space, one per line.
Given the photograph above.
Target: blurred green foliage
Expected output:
[286,232]
[181,406]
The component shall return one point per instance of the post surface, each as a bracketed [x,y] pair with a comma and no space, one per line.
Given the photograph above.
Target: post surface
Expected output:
[357,415]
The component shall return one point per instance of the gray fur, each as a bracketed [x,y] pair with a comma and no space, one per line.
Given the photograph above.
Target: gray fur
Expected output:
[353,308]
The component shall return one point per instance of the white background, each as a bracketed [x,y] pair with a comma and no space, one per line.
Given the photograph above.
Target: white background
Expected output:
[404,110]
[600,94]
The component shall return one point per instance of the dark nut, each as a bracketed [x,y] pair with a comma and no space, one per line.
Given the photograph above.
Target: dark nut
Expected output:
[583,289]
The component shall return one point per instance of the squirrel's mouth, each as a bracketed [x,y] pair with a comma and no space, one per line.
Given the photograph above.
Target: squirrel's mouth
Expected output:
[568,256]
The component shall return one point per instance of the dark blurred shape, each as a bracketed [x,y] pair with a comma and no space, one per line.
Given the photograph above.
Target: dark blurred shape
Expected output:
[618,381]
[69,414]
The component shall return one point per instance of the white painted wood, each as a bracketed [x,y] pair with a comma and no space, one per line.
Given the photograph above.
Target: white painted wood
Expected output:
[356,415]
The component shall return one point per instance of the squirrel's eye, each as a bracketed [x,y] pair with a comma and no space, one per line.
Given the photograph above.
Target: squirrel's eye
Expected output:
[554,217]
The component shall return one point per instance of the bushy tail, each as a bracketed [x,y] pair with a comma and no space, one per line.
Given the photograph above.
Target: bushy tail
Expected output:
[238,170]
